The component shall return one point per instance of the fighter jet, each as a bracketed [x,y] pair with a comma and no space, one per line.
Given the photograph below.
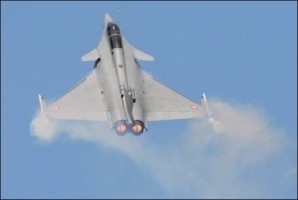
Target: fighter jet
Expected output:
[120,92]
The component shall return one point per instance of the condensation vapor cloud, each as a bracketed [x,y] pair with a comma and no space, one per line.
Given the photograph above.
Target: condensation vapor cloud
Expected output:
[228,158]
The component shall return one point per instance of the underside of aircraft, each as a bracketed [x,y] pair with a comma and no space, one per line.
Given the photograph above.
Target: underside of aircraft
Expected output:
[119,92]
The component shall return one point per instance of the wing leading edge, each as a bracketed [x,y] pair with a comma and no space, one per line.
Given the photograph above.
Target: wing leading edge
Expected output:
[163,103]
[83,102]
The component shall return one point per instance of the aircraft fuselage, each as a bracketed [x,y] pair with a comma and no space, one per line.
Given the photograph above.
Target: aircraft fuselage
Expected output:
[125,112]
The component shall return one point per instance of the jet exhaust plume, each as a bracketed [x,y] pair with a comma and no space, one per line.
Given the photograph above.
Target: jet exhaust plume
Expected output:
[222,159]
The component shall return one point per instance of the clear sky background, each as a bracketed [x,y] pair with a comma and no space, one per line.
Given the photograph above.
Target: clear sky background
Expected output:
[242,54]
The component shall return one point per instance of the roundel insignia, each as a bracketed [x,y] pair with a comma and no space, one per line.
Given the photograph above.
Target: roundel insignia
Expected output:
[194,106]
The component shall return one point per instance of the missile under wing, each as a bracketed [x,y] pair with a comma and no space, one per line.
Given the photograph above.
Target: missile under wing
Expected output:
[118,91]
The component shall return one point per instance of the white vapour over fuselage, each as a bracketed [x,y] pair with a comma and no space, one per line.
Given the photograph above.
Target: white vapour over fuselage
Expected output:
[207,161]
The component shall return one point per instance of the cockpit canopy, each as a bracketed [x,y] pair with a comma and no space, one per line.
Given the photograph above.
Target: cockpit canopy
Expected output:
[113,29]
[113,32]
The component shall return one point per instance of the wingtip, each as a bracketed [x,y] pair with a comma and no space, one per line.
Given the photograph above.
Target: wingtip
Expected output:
[205,106]
[41,103]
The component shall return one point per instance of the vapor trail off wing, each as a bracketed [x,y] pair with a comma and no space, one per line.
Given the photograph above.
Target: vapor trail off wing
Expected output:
[83,102]
[163,103]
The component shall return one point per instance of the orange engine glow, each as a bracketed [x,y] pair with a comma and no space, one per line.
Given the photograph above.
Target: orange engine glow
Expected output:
[137,128]
[121,128]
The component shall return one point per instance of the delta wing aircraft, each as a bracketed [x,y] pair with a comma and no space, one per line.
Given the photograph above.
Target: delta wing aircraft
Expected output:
[119,92]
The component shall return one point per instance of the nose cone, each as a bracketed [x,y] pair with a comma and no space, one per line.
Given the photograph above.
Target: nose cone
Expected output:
[108,18]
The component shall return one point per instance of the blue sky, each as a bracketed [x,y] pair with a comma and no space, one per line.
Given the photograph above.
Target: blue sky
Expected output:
[242,54]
